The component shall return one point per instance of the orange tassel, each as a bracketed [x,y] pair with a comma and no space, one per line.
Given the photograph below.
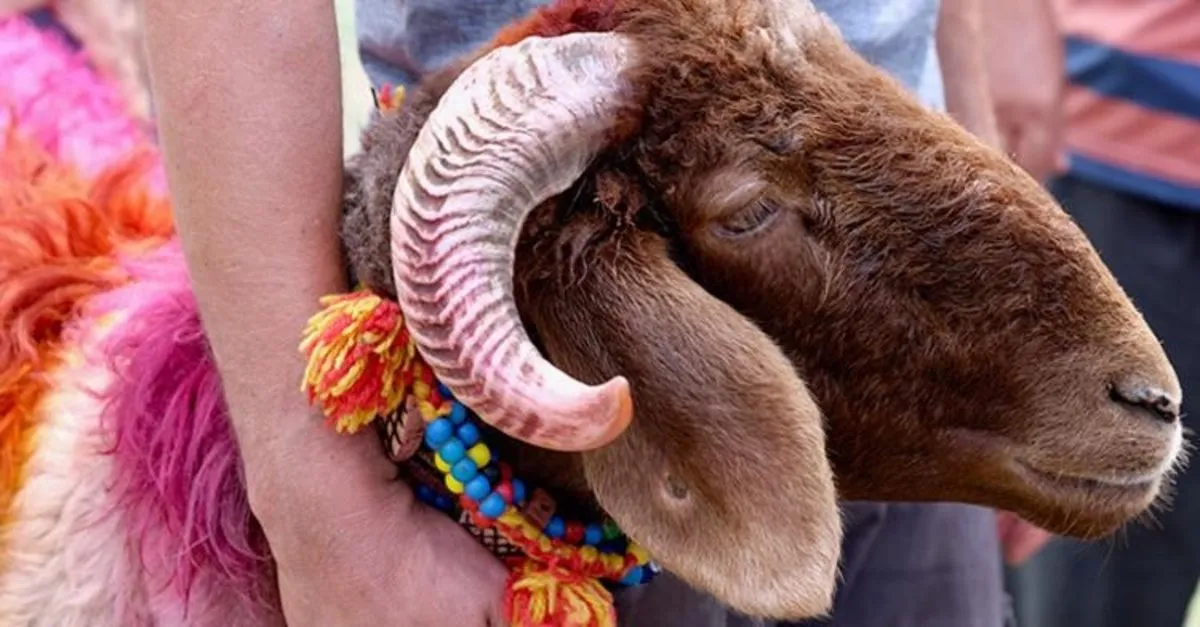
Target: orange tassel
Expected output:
[541,595]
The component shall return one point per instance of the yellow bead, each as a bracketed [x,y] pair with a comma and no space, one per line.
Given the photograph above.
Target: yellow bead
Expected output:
[480,455]
[589,554]
[455,485]
[614,563]
[641,555]
[440,463]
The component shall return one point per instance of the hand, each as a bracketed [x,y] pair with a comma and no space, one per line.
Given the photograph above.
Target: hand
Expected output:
[1026,72]
[1020,540]
[353,547]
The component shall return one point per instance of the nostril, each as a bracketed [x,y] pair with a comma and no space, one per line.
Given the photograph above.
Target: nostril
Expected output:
[1154,400]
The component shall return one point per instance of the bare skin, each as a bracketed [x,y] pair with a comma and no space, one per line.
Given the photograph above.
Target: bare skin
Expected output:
[1025,69]
[13,7]
[255,168]
[968,94]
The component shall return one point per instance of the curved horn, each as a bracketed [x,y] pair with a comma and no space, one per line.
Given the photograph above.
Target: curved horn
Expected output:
[518,127]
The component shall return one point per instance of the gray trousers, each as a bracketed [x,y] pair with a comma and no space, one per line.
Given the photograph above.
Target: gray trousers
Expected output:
[1146,576]
[903,565]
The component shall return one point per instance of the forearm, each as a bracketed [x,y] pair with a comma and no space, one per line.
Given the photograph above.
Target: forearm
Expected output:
[249,105]
[14,7]
[960,49]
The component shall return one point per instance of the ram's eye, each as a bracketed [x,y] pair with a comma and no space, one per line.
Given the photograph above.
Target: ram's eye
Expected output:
[749,221]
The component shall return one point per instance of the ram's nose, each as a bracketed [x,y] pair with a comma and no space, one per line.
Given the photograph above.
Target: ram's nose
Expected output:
[1147,400]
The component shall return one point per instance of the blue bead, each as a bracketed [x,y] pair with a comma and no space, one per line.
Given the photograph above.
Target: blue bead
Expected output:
[465,470]
[458,413]
[469,434]
[444,391]
[633,577]
[425,495]
[518,487]
[493,506]
[556,527]
[478,488]
[492,472]
[593,534]
[443,503]
[438,433]
[452,451]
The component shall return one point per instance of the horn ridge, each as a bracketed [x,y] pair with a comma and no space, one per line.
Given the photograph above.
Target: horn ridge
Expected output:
[518,126]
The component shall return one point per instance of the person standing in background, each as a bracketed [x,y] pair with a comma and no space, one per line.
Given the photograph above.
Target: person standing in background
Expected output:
[1128,115]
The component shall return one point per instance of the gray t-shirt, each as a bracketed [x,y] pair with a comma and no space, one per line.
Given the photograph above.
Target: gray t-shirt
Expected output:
[401,40]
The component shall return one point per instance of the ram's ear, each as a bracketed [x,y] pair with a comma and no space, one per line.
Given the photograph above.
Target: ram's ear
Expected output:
[722,474]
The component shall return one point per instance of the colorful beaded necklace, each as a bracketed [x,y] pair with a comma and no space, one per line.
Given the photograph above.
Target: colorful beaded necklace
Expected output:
[363,369]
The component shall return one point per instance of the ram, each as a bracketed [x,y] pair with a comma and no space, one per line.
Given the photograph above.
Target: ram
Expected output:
[697,266]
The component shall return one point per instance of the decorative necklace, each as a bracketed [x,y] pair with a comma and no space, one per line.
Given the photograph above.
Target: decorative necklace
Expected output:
[363,369]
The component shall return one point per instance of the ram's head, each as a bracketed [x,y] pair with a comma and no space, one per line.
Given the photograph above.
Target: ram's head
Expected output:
[723,227]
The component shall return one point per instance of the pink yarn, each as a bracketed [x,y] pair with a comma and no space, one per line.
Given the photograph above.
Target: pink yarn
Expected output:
[177,474]
[61,100]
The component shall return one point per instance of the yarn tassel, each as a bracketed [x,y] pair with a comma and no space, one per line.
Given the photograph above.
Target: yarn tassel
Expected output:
[359,359]
[389,99]
[542,595]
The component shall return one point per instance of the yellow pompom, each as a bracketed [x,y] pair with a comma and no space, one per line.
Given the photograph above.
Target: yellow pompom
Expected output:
[551,596]
[358,355]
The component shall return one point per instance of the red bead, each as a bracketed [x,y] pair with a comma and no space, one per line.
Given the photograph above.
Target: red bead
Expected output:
[466,503]
[575,532]
[505,491]
[505,473]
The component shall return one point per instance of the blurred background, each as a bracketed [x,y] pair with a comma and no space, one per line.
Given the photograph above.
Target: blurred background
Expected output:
[356,89]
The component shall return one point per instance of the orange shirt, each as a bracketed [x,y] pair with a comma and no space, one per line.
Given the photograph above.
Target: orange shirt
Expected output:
[1133,99]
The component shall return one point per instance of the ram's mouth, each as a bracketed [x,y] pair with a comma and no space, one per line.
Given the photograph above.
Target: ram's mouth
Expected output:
[1122,488]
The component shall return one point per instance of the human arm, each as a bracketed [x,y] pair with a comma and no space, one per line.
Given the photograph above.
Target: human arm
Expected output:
[1024,57]
[250,114]
[964,71]
[248,98]
[16,7]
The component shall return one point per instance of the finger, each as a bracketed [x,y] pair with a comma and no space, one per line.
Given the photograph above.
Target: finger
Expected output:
[1024,543]
[1010,134]
[497,618]
[1004,525]
[1038,150]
